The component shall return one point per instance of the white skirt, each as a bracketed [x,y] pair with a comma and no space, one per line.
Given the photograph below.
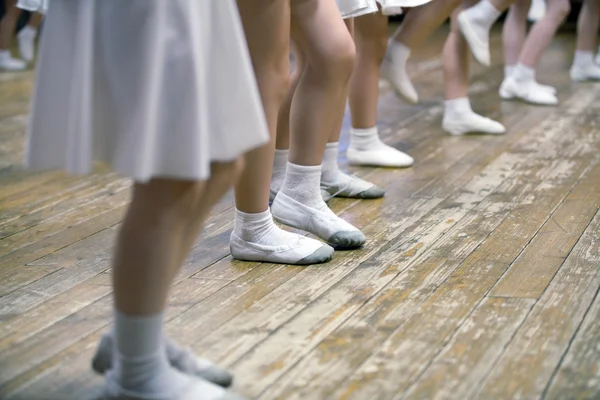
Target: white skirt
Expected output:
[154,88]
[34,5]
[356,8]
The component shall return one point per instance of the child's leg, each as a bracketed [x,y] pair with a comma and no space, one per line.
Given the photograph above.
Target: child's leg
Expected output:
[543,32]
[522,83]
[282,145]
[514,33]
[333,181]
[419,23]
[255,236]
[475,23]
[319,31]
[584,67]
[27,35]
[7,30]
[459,118]
[371,37]
[161,225]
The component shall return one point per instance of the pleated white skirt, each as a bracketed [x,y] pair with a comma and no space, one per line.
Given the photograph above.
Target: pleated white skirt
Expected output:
[356,8]
[154,88]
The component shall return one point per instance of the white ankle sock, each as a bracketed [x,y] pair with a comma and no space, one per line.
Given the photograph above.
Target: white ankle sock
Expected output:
[454,108]
[330,170]
[302,183]
[365,139]
[400,53]
[279,166]
[299,204]
[508,70]
[140,364]
[484,13]
[524,74]
[254,227]
[338,183]
[583,58]
[459,119]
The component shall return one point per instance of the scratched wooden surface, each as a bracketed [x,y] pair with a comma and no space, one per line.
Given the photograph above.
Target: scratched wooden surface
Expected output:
[479,280]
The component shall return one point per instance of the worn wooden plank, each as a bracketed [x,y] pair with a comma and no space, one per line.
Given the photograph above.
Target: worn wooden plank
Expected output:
[346,349]
[36,354]
[536,266]
[269,308]
[578,376]
[472,351]
[536,351]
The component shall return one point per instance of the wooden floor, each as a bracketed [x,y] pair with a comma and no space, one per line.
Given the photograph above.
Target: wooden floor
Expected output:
[479,279]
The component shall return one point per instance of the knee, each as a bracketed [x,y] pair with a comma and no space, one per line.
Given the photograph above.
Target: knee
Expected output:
[337,64]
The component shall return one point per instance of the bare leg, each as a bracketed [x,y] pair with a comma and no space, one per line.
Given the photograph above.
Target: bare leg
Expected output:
[255,236]
[541,33]
[162,223]
[27,35]
[366,148]
[459,118]
[7,30]
[422,21]
[514,32]
[334,182]
[417,26]
[266,24]
[371,44]
[522,83]
[320,33]
[584,67]
[8,23]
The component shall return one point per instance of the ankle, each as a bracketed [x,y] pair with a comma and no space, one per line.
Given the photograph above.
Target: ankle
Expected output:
[364,139]
[583,58]
[523,73]
[455,108]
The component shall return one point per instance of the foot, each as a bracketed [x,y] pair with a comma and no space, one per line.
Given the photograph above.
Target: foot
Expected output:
[509,95]
[26,39]
[352,187]
[8,63]
[477,36]
[273,193]
[181,359]
[380,155]
[395,73]
[321,222]
[286,248]
[529,91]
[588,72]
[169,384]
[471,123]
